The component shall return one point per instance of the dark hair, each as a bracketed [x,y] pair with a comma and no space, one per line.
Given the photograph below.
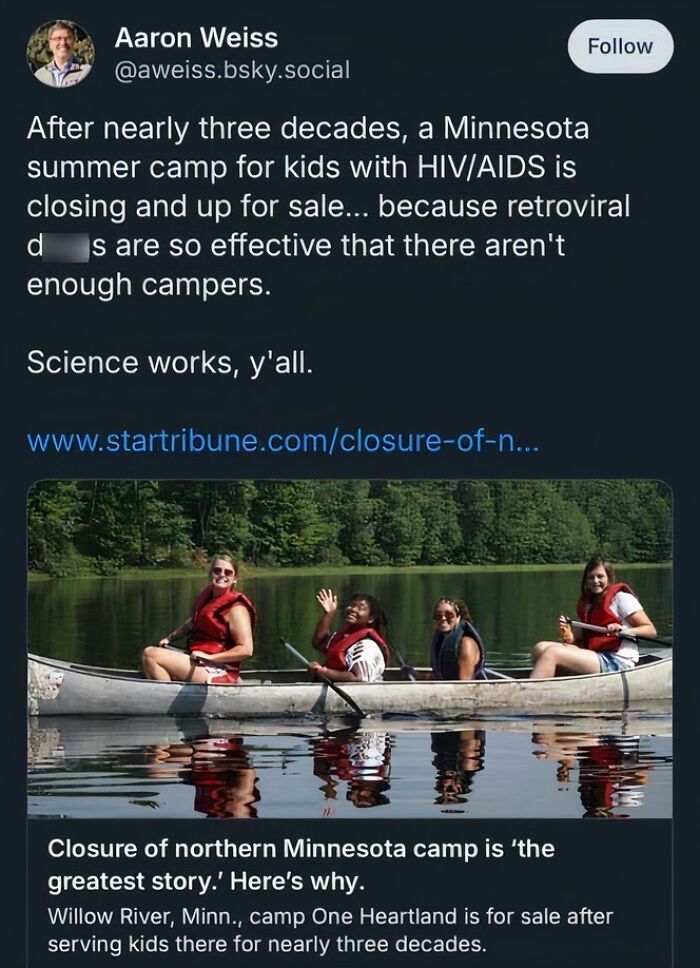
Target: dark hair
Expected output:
[376,612]
[368,793]
[458,604]
[595,562]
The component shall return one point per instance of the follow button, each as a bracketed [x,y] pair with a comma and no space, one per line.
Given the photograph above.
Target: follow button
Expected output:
[620,46]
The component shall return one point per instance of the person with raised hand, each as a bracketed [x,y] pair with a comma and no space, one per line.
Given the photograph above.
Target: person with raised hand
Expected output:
[358,652]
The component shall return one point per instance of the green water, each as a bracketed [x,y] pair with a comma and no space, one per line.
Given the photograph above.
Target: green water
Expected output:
[108,621]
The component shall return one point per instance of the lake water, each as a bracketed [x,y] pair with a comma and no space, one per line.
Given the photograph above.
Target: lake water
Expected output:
[108,621]
[609,766]
[614,767]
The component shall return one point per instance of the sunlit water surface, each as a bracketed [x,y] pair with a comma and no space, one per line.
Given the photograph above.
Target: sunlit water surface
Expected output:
[613,767]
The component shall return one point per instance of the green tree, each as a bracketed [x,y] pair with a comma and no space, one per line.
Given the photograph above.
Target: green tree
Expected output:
[355,510]
[521,532]
[54,519]
[476,509]
[106,525]
[401,525]
[290,529]
[443,542]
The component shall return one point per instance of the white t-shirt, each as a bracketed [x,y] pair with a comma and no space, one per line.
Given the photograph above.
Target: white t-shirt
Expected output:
[367,753]
[366,658]
[623,605]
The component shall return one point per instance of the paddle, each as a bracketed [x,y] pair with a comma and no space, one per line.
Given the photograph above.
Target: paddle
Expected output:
[623,635]
[329,682]
[495,674]
[407,670]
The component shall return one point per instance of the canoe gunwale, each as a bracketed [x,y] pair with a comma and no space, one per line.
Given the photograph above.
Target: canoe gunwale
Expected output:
[131,675]
[63,688]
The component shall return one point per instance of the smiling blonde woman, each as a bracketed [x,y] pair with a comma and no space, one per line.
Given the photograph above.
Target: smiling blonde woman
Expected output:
[219,633]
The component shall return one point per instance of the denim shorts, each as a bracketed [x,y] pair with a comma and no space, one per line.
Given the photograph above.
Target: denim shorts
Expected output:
[611,662]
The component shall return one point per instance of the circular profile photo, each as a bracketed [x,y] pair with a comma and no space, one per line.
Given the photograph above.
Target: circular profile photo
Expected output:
[60,53]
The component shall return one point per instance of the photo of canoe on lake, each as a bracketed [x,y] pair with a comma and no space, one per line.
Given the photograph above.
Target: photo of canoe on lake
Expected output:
[609,762]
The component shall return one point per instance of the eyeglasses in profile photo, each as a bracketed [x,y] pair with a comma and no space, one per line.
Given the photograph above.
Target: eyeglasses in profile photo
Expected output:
[60,53]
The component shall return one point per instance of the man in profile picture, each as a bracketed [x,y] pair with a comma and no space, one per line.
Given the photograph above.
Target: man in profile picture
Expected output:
[64,70]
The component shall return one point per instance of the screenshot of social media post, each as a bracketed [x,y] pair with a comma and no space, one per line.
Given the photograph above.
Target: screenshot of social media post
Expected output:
[347,493]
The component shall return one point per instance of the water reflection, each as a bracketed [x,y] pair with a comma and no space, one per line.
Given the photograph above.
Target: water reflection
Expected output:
[219,769]
[458,757]
[360,758]
[125,767]
[613,770]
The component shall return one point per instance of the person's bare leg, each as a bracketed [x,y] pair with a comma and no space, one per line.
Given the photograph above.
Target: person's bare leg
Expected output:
[167,666]
[539,650]
[552,657]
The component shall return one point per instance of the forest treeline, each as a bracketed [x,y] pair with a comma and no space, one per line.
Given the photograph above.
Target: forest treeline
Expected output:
[101,527]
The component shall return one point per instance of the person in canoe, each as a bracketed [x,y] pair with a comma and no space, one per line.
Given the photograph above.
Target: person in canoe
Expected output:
[219,632]
[358,652]
[605,602]
[456,651]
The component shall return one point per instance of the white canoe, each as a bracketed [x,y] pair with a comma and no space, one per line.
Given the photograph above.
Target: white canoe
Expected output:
[66,688]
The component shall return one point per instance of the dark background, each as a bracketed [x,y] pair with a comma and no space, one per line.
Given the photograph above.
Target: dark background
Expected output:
[595,865]
[591,357]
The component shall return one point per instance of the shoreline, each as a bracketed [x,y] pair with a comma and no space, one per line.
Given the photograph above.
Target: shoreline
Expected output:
[250,571]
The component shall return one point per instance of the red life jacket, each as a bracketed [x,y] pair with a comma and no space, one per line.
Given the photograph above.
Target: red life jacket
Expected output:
[210,631]
[597,611]
[340,642]
[597,786]
[222,783]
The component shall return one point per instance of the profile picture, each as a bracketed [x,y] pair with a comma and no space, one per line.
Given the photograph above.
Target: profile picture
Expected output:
[60,53]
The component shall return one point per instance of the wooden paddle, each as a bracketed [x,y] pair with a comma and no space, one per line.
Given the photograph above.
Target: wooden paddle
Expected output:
[623,635]
[329,682]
